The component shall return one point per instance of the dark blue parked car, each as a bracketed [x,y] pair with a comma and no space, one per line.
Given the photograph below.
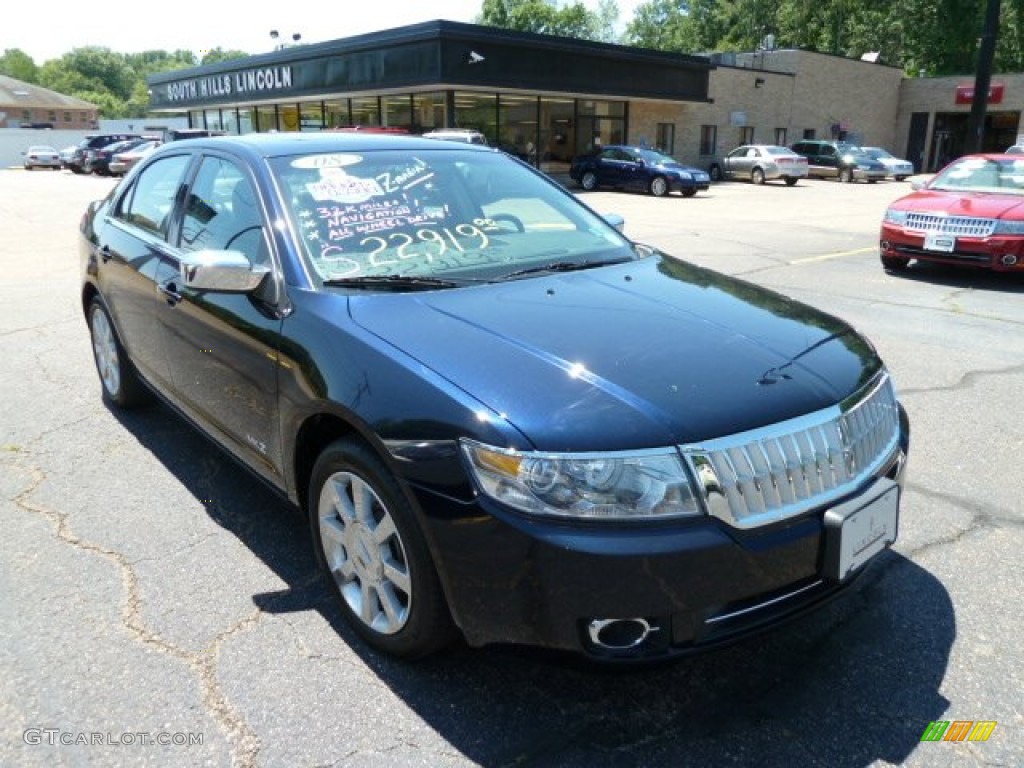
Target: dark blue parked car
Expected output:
[637,168]
[501,416]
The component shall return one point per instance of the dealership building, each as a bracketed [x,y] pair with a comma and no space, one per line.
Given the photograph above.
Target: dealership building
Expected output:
[548,98]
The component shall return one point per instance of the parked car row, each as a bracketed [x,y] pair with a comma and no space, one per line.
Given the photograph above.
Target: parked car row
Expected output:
[810,158]
[96,152]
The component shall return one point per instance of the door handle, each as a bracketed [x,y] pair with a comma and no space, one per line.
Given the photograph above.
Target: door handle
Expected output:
[170,293]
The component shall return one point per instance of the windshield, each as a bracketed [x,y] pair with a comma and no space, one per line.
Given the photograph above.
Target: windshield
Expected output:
[982,174]
[778,151]
[451,214]
[878,153]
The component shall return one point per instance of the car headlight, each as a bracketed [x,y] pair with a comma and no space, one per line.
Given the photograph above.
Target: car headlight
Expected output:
[608,486]
[684,175]
[1004,227]
[893,216]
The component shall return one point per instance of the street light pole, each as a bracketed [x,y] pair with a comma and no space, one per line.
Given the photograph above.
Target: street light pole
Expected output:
[983,79]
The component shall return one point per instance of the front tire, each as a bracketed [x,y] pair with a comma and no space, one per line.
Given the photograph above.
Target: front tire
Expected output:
[715,172]
[894,263]
[689,192]
[659,186]
[368,542]
[846,175]
[120,381]
[589,181]
[757,176]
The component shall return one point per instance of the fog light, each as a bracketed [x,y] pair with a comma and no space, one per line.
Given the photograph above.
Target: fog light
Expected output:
[619,634]
[1009,260]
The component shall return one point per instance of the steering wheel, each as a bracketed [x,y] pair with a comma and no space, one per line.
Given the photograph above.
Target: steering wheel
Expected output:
[227,245]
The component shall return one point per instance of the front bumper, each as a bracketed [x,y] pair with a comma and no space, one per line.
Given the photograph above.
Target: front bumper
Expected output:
[694,584]
[1000,253]
[701,185]
[862,174]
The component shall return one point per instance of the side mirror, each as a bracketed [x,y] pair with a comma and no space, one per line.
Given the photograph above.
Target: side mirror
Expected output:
[223,271]
[615,220]
[916,184]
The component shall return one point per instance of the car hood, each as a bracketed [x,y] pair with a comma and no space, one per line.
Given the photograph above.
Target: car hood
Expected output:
[989,205]
[678,167]
[649,353]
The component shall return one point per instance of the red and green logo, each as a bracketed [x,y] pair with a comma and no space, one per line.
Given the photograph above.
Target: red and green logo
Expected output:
[959,730]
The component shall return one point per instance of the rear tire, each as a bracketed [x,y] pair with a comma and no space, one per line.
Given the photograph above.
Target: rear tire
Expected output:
[369,544]
[588,181]
[791,181]
[120,381]
[846,175]
[659,186]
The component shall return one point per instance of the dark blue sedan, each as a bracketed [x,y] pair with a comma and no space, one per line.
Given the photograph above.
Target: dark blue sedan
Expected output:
[502,417]
[639,169]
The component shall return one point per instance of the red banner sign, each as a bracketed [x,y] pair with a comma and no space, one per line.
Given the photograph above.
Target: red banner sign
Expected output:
[965,94]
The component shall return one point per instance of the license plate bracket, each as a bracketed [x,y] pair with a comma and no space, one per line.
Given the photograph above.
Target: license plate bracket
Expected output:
[859,529]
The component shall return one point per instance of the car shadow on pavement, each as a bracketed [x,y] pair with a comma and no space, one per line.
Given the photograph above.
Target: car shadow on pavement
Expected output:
[853,683]
[954,276]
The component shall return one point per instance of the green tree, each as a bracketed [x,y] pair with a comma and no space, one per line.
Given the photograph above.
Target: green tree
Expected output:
[665,25]
[548,18]
[19,65]
[218,54]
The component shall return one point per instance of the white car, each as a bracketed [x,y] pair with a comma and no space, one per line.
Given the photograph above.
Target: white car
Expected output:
[898,168]
[40,156]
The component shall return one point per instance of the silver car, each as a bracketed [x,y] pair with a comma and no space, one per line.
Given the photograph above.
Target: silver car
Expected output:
[896,167]
[760,163]
[41,156]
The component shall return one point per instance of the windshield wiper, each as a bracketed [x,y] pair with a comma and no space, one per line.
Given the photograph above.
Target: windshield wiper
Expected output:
[390,281]
[559,266]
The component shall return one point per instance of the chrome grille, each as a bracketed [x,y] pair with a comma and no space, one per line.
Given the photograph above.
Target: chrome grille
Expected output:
[961,226]
[777,472]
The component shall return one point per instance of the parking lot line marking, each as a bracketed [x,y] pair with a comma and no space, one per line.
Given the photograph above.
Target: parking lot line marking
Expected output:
[837,255]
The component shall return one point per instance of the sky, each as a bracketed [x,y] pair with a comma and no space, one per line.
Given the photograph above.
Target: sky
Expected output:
[199,25]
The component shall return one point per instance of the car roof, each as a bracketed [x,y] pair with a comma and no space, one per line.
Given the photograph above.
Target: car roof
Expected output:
[275,144]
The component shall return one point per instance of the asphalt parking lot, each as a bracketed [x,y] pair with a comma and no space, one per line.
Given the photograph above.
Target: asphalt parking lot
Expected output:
[161,608]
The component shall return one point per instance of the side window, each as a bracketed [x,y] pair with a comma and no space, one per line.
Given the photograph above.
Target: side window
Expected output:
[221,212]
[149,202]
